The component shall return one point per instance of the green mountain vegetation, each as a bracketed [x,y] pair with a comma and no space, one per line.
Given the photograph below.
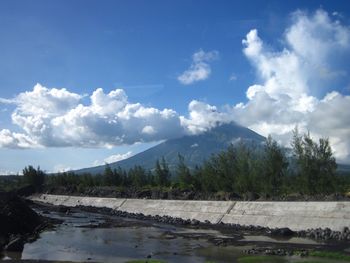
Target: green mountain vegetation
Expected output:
[194,148]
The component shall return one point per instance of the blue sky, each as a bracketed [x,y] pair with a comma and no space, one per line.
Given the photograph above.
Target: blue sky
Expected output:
[143,48]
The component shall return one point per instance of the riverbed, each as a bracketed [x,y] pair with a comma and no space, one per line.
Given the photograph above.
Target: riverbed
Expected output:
[93,237]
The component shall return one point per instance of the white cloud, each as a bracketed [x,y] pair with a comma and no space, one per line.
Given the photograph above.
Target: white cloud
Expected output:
[148,130]
[200,68]
[61,168]
[113,158]
[314,57]
[202,117]
[57,117]
[15,140]
[8,172]
[233,77]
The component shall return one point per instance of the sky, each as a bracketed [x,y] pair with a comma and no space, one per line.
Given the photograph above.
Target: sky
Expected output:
[87,82]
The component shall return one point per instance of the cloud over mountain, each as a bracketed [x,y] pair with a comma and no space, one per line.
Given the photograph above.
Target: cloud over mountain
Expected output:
[313,60]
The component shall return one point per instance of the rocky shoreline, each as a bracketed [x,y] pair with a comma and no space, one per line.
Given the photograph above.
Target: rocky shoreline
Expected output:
[317,234]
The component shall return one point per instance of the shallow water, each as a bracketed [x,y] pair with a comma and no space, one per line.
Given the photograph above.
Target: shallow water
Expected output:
[71,242]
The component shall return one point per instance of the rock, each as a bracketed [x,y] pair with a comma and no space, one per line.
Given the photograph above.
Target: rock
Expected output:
[194,222]
[63,209]
[17,221]
[251,196]
[345,230]
[16,244]
[25,190]
[282,232]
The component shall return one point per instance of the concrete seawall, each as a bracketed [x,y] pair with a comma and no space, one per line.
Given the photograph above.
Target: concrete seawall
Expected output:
[294,215]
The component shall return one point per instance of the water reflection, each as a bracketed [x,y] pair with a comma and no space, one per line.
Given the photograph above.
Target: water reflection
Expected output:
[72,242]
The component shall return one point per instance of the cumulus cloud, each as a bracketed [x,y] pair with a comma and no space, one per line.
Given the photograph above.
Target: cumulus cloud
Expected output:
[202,117]
[57,117]
[15,140]
[313,60]
[200,68]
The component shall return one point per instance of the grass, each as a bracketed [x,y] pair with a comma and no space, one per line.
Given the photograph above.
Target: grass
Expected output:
[261,259]
[330,255]
[270,259]
[146,261]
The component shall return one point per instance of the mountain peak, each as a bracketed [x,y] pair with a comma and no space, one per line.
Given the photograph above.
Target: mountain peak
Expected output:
[194,148]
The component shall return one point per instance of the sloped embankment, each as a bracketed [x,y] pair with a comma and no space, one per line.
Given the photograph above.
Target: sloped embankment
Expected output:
[297,216]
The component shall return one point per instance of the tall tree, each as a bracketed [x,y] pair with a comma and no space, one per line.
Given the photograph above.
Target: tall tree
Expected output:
[162,173]
[183,173]
[34,177]
[316,165]
[108,176]
[274,166]
[137,176]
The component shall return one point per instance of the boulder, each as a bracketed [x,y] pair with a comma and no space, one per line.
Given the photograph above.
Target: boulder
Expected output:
[285,231]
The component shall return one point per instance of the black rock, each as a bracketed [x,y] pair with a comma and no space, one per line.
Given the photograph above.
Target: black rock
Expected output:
[16,244]
[63,209]
[282,232]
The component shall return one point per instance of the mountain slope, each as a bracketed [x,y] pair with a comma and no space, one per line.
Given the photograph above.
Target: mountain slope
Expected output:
[194,148]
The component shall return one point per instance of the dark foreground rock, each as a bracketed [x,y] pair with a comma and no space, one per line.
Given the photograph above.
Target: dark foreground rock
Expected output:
[18,222]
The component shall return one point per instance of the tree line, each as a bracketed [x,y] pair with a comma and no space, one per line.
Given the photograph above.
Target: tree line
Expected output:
[308,168]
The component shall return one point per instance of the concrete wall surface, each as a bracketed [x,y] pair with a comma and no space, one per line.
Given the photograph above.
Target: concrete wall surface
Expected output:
[73,201]
[294,215]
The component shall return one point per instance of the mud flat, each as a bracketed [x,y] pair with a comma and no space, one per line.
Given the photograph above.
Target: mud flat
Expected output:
[296,216]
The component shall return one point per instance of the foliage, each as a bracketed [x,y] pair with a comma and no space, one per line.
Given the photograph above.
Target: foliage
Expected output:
[316,166]
[261,259]
[274,167]
[146,261]
[241,169]
[162,173]
[34,177]
[10,182]
[183,174]
[330,255]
